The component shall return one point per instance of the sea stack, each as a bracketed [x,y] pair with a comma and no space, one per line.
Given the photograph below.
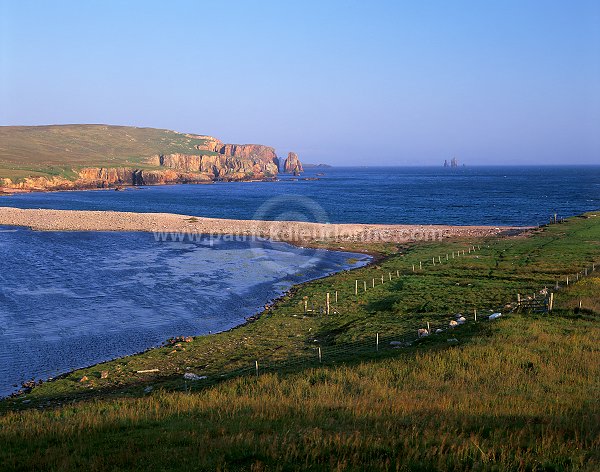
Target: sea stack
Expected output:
[292,164]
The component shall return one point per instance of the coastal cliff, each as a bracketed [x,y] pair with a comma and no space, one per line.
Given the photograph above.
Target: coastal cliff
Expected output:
[184,158]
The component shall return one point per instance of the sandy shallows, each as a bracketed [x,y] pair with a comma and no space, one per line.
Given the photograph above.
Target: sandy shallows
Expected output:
[291,231]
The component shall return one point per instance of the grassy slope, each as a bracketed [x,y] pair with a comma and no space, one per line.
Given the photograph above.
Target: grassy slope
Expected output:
[55,150]
[518,394]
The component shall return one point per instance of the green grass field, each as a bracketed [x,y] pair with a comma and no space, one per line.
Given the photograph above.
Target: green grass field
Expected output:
[46,151]
[518,393]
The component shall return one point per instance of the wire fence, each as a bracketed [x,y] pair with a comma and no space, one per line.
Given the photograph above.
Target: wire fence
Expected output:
[387,343]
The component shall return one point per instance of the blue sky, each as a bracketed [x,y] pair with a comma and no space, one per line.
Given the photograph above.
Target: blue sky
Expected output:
[388,83]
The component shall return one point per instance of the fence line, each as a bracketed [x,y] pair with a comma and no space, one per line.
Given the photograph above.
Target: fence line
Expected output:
[379,343]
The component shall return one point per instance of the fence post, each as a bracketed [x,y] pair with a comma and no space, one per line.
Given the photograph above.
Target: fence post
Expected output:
[320,358]
[428,328]
[377,342]
[397,273]
[356,287]
[256,365]
[327,299]
[336,298]
[373,283]
[518,299]
[365,282]
[475,313]
[551,302]
[420,265]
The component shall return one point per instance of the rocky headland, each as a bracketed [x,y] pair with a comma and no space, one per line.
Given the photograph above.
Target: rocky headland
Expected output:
[206,160]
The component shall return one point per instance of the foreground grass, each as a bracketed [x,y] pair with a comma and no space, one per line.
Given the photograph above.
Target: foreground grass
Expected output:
[519,394]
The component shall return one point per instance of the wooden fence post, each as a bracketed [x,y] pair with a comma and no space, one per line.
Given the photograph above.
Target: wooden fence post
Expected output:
[356,287]
[256,365]
[320,357]
[377,342]
[551,302]
[327,300]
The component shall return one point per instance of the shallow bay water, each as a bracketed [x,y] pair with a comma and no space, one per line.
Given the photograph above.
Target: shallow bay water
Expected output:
[72,299]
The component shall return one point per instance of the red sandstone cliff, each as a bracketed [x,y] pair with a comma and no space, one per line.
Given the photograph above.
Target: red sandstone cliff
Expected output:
[229,162]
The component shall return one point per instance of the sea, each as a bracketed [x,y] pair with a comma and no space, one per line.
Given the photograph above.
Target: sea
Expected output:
[73,299]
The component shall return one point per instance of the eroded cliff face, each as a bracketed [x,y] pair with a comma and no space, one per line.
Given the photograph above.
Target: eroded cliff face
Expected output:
[106,177]
[223,162]
[292,164]
[220,167]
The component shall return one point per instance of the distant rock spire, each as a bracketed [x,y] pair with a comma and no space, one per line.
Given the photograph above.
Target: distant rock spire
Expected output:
[292,164]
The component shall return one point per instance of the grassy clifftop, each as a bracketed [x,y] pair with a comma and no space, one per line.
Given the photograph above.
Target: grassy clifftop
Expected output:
[47,151]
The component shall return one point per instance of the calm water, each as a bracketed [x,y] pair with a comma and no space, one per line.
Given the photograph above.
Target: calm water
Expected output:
[69,300]
[470,195]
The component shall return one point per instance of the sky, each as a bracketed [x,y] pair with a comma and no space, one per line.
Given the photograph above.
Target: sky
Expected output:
[339,82]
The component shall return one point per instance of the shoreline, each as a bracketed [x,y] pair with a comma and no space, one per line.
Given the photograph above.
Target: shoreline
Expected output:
[296,233]
[176,227]
[29,385]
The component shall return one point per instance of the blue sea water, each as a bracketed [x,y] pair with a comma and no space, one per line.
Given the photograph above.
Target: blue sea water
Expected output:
[411,195]
[72,299]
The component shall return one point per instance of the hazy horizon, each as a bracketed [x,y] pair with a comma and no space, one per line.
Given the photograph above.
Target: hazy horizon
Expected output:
[344,83]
